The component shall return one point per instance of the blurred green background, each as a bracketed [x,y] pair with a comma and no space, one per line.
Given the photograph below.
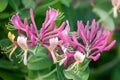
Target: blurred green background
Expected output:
[106,68]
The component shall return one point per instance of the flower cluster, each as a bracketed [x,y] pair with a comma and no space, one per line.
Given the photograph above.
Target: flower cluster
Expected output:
[64,48]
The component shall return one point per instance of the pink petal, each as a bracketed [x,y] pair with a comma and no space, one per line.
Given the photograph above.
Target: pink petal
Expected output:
[96,57]
[110,45]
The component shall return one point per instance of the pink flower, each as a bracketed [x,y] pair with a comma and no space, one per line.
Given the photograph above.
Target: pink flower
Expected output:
[30,30]
[94,39]
[70,48]
[49,28]
[48,32]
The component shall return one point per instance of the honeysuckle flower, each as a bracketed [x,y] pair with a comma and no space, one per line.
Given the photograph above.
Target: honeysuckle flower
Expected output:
[79,58]
[69,47]
[30,30]
[49,28]
[31,34]
[48,32]
[94,39]
[53,45]
[22,42]
[12,37]
[116,6]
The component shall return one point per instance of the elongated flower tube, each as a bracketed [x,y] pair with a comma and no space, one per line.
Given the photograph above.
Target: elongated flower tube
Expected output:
[53,45]
[22,42]
[94,39]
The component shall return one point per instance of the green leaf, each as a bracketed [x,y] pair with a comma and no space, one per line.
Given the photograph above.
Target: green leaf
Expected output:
[81,72]
[4,15]
[10,75]
[6,65]
[14,4]
[25,14]
[39,63]
[105,18]
[4,43]
[72,19]
[3,5]
[32,74]
[66,2]
[42,75]
[40,59]
[60,74]
[44,5]
[115,74]
[39,51]
[29,4]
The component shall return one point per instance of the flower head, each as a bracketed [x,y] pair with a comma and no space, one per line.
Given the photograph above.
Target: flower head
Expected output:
[30,30]
[49,28]
[94,38]
[48,32]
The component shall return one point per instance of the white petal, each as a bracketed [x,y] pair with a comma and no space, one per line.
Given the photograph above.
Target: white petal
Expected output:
[53,43]
[79,57]
[22,42]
